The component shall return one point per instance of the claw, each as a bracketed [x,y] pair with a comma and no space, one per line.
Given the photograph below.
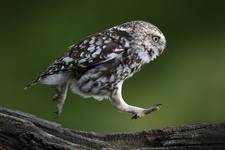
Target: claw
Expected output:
[55,97]
[58,112]
[135,116]
[146,111]
[57,115]
[138,115]
[152,109]
[59,108]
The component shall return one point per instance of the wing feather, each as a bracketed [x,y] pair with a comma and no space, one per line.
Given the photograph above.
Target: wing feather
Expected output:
[96,49]
[91,51]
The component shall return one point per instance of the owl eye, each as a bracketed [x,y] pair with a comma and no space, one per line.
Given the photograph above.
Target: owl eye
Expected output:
[155,39]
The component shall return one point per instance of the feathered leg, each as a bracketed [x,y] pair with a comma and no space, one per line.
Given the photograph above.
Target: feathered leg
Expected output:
[137,112]
[60,97]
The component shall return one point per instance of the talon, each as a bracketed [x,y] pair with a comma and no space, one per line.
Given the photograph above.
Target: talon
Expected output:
[146,111]
[55,97]
[59,109]
[137,116]
[55,112]
[152,109]
[58,113]
[158,106]
[134,116]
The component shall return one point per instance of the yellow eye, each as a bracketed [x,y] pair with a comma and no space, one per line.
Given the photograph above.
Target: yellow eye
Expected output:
[155,39]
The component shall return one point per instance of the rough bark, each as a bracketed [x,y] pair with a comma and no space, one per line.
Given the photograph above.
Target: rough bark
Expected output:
[22,131]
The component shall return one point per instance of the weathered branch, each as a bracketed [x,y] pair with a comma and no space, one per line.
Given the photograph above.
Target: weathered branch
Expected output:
[22,131]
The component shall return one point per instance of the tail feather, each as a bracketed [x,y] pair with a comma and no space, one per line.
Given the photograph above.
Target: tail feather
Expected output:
[32,83]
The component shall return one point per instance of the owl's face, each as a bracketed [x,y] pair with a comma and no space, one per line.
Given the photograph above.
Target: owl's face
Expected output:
[152,38]
[155,39]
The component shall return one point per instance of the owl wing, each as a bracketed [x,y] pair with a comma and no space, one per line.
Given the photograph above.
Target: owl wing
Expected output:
[96,49]
[93,50]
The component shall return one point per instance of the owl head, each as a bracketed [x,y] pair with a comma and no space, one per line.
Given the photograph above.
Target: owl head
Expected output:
[146,35]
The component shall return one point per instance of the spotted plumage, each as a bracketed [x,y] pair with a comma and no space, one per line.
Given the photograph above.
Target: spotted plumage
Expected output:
[98,65]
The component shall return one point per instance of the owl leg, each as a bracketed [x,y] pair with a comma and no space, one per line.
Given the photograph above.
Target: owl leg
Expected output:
[137,112]
[60,97]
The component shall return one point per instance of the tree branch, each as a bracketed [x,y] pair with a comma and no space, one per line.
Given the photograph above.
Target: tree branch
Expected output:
[22,131]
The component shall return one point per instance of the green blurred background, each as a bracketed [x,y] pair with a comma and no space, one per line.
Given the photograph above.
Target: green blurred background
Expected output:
[188,79]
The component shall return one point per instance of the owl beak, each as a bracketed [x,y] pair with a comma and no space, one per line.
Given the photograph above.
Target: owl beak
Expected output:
[160,51]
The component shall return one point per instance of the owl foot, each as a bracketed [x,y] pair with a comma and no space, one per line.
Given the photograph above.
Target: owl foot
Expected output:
[146,111]
[59,108]
[59,103]
[55,97]
[60,97]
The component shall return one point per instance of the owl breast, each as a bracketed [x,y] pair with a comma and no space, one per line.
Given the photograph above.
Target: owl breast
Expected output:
[101,81]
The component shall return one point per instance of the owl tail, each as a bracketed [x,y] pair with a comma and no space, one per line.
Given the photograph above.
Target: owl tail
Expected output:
[32,83]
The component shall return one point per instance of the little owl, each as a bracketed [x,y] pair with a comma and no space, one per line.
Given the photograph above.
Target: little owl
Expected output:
[98,65]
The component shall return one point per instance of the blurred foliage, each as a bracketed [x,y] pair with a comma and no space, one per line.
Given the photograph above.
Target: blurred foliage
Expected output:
[188,79]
